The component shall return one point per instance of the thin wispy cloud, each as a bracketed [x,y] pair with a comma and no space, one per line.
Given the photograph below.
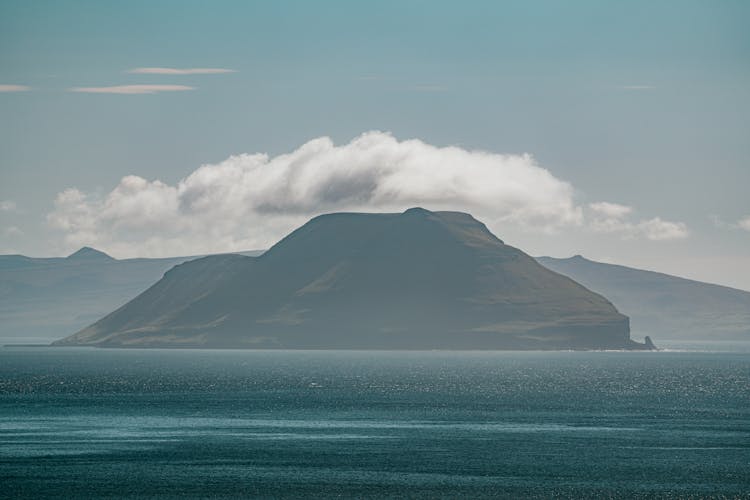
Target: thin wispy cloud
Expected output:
[743,223]
[611,210]
[14,88]
[132,89]
[181,71]
[613,218]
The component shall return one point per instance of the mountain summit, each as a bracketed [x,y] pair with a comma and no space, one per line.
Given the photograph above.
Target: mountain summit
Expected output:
[415,280]
[88,253]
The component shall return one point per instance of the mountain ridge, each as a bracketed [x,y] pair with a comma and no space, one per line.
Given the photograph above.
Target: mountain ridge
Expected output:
[662,304]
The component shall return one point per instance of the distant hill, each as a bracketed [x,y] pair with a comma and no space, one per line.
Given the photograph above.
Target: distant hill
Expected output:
[53,297]
[661,305]
[416,280]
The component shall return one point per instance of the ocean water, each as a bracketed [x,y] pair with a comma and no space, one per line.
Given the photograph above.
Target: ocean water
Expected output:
[108,423]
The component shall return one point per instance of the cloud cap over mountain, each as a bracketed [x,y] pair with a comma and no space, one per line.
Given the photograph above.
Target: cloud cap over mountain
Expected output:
[250,200]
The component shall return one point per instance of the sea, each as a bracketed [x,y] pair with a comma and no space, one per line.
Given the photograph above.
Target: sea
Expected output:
[129,423]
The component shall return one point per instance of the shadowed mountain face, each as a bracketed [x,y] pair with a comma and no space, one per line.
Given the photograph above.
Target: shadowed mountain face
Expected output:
[416,280]
[52,297]
[663,305]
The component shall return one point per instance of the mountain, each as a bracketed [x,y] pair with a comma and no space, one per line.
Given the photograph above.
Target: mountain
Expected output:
[88,254]
[415,280]
[52,297]
[663,305]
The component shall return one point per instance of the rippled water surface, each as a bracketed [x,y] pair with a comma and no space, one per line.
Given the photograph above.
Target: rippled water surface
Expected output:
[223,424]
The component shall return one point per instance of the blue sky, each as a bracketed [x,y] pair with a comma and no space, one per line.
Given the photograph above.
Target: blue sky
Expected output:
[638,104]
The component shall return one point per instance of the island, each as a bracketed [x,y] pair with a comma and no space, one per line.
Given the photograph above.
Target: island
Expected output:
[412,280]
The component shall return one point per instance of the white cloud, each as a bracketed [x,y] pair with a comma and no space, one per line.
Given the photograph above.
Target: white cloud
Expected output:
[613,218]
[181,71]
[658,229]
[249,201]
[612,210]
[14,88]
[132,89]
[742,223]
[8,206]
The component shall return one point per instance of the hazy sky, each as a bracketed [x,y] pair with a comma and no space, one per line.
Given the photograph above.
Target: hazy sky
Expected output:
[618,130]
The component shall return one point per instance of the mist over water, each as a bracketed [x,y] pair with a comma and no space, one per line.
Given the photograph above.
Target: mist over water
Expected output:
[177,423]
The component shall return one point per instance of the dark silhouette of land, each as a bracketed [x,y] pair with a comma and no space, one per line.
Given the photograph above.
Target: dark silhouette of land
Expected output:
[416,280]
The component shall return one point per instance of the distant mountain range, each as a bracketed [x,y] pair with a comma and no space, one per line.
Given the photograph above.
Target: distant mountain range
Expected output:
[661,305]
[416,280]
[53,297]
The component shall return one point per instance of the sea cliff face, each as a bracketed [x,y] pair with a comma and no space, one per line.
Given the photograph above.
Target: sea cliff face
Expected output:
[415,280]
